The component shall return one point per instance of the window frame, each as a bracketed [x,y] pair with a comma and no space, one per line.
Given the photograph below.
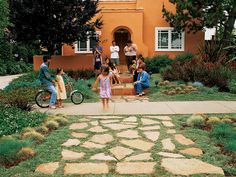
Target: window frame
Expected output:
[170,49]
[98,33]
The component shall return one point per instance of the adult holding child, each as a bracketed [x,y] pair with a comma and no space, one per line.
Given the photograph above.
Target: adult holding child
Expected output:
[130,52]
[114,49]
[97,53]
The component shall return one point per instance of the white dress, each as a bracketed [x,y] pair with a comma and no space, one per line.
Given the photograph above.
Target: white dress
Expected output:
[60,95]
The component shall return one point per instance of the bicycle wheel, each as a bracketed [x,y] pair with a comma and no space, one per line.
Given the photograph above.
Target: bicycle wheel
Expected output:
[77,97]
[42,98]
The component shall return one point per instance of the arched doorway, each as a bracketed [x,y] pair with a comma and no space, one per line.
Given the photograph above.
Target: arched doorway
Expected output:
[121,36]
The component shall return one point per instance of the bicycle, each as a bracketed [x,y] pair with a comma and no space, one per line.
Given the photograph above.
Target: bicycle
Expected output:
[43,96]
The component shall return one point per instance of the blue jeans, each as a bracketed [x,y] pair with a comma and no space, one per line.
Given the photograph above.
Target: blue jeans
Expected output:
[140,86]
[53,91]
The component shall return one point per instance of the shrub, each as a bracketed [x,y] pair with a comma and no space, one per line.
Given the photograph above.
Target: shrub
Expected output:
[196,70]
[22,98]
[9,148]
[156,63]
[232,86]
[13,120]
[81,74]
[25,153]
[226,120]
[213,120]
[34,136]
[184,57]
[52,125]
[223,133]
[42,129]
[62,121]
[195,121]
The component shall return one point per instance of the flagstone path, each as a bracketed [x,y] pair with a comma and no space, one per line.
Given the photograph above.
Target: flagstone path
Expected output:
[121,145]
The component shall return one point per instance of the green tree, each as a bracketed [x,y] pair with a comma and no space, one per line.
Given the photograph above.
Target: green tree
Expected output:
[4,21]
[194,15]
[53,22]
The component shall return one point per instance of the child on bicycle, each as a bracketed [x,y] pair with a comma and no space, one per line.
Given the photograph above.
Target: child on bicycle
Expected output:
[105,80]
[60,87]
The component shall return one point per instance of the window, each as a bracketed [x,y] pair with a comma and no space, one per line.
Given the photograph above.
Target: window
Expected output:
[169,40]
[87,46]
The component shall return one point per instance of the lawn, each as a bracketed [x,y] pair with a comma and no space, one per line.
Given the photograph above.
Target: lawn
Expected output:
[50,150]
[203,93]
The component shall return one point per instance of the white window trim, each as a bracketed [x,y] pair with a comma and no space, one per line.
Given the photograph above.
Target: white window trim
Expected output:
[88,45]
[169,41]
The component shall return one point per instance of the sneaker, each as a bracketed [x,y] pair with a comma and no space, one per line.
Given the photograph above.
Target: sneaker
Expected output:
[52,107]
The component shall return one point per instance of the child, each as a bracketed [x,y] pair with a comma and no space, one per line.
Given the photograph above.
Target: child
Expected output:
[115,74]
[133,67]
[105,81]
[60,87]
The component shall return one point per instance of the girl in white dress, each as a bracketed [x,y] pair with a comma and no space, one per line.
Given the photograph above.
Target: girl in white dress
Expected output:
[60,87]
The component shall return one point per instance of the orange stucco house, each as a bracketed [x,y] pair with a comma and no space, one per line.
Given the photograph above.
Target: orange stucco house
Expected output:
[139,20]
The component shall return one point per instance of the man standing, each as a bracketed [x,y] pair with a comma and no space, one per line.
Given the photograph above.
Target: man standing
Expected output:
[130,53]
[114,49]
[47,80]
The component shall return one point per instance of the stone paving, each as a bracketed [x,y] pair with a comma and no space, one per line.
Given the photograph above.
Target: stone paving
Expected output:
[109,145]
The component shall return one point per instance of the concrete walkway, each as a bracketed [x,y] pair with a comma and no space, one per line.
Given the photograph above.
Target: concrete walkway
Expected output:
[149,108]
[5,80]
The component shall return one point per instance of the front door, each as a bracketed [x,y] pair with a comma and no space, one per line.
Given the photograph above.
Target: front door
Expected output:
[121,37]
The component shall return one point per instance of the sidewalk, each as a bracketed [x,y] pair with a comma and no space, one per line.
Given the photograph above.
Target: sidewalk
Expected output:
[5,80]
[147,108]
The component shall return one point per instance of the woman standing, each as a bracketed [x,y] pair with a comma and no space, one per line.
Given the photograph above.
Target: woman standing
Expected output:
[130,53]
[97,53]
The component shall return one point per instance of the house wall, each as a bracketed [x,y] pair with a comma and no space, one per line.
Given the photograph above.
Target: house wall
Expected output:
[140,18]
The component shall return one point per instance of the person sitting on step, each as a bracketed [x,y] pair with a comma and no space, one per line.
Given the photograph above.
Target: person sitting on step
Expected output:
[143,81]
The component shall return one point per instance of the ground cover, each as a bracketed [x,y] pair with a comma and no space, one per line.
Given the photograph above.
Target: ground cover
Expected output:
[202,94]
[129,146]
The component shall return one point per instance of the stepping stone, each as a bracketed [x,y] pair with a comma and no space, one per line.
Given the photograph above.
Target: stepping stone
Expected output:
[70,155]
[189,167]
[183,140]
[168,123]
[79,135]
[165,118]
[192,151]
[109,121]
[102,139]
[102,157]
[97,129]
[106,117]
[156,127]
[95,123]
[121,152]
[171,131]
[130,134]
[152,135]
[135,168]
[77,126]
[48,168]
[119,126]
[172,155]
[84,120]
[131,119]
[149,122]
[140,157]
[91,145]
[86,168]
[130,123]
[138,144]
[71,142]
[168,145]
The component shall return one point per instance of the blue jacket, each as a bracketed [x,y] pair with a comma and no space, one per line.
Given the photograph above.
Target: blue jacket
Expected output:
[44,75]
[144,78]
